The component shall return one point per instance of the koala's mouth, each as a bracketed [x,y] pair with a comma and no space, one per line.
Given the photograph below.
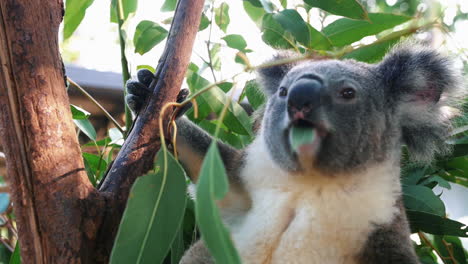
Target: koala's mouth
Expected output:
[304,137]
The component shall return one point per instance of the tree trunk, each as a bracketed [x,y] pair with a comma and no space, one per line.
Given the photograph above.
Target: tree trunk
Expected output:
[49,185]
[61,217]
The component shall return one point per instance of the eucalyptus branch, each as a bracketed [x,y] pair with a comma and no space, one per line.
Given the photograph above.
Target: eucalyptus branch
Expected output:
[392,36]
[210,59]
[449,248]
[124,62]
[426,241]
[91,98]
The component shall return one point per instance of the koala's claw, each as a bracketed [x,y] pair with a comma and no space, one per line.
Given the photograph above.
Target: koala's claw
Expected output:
[145,77]
[139,91]
[183,94]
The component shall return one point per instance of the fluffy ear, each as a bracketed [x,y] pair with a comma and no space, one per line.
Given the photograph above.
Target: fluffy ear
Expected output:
[422,86]
[270,77]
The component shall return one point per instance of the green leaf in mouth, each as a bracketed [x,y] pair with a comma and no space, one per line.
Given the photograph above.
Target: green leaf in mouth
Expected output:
[301,136]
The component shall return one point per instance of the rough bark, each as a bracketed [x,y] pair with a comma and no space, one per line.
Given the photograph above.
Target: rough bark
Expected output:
[49,186]
[61,217]
[138,152]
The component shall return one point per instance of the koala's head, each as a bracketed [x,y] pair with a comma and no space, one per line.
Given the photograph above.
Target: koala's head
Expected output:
[361,113]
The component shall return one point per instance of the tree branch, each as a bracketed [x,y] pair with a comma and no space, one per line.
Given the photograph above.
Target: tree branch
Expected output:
[137,154]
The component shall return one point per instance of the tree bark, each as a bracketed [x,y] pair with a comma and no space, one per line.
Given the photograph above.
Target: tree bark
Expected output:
[50,188]
[138,152]
[61,217]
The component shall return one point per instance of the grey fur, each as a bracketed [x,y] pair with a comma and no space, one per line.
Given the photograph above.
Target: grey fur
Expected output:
[390,244]
[400,100]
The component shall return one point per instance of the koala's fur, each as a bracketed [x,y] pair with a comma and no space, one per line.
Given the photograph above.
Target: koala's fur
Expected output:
[339,203]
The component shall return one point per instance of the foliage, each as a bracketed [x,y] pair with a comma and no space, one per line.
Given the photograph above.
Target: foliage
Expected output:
[155,225]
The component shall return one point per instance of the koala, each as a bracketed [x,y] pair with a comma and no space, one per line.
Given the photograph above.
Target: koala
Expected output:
[337,197]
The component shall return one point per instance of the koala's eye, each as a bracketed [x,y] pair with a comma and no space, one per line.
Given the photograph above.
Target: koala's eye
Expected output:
[348,93]
[283,91]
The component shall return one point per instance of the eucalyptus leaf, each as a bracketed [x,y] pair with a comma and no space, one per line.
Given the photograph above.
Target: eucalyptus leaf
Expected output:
[86,127]
[346,31]
[254,10]
[153,215]
[293,23]
[434,224]
[346,8]
[213,185]
[299,136]
[79,113]
[204,22]
[422,199]
[275,35]
[169,5]
[235,41]
[16,256]
[75,11]
[372,53]
[147,35]
[128,7]
[222,16]
[213,101]
[318,41]
[254,94]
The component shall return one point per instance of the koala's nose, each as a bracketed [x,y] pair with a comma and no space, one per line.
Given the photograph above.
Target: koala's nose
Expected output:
[304,96]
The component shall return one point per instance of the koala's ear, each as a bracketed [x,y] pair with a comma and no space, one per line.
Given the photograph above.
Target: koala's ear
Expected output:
[270,77]
[422,86]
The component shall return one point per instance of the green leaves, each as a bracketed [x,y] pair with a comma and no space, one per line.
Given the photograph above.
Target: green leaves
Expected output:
[275,35]
[213,101]
[434,224]
[153,216]
[74,13]
[86,127]
[127,7]
[299,136]
[222,16]
[80,118]
[213,185]
[372,53]
[254,9]
[346,8]
[283,29]
[345,31]
[147,35]
[422,199]
[293,23]
[235,41]
[78,112]
[16,256]
[169,5]
[254,94]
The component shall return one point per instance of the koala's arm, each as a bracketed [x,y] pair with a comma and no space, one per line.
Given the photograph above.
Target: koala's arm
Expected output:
[390,243]
[192,141]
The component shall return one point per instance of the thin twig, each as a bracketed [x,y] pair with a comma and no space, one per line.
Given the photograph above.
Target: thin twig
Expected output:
[449,248]
[210,59]
[124,62]
[428,243]
[107,114]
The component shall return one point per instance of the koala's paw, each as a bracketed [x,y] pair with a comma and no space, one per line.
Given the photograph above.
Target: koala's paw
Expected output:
[138,91]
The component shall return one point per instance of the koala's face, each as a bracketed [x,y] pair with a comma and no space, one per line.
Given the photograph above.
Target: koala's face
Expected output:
[342,101]
[360,113]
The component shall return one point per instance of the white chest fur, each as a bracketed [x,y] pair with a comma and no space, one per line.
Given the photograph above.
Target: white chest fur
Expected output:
[311,219]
